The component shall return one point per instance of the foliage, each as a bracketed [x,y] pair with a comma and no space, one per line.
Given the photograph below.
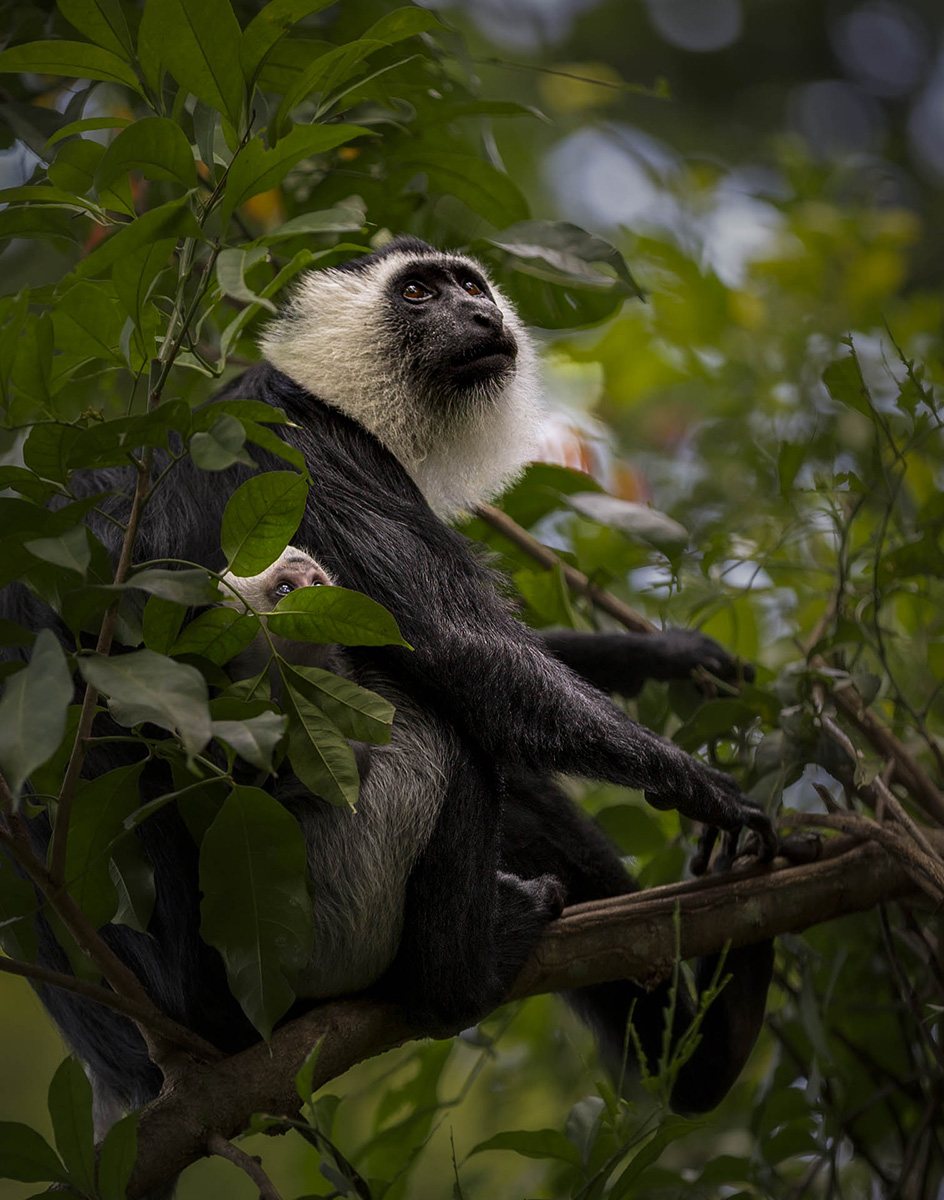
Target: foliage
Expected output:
[787,427]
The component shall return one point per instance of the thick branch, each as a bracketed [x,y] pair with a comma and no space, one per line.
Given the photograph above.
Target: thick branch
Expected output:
[627,937]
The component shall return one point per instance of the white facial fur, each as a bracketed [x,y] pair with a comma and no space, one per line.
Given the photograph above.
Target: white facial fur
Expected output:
[334,341]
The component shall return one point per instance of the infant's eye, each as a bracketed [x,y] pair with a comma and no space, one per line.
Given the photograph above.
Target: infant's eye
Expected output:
[283,588]
[472,287]
[416,291]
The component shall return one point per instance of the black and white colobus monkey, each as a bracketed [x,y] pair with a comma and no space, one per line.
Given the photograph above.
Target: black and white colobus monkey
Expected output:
[410,388]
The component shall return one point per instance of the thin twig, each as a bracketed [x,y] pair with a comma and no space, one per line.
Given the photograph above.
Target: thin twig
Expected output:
[576,580]
[217,1144]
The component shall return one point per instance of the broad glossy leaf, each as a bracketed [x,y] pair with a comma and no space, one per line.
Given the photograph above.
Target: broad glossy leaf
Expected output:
[27,1156]
[168,221]
[217,634]
[198,42]
[70,550]
[99,811]
[144,686]
[326,72]
[88,323]
[33,711]
[329,220]
[256,908]
[117,1158]
[638,520]
[567,251]
[87,125]
[320,756]
[332,614]
[257,169]
[270,26]
[220,446]
[189,586]
[253,738]
[532,1143]
[161,623]
[47,448]
[70,1107]
[261,518]
[403,23]
[486,190]
[75,60]
[101,21]
[243,410]
[231,268]
[357,712]
[75,166]
[155,146]
[133,876]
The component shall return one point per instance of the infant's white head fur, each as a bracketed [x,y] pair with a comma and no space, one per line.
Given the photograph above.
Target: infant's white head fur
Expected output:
[334,340]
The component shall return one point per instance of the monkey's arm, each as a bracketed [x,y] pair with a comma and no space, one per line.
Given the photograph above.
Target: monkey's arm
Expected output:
[622,662]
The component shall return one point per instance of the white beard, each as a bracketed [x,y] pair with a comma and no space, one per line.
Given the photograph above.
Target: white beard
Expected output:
[456,460]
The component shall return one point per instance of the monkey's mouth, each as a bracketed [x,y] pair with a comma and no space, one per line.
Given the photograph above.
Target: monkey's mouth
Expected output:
[489,358]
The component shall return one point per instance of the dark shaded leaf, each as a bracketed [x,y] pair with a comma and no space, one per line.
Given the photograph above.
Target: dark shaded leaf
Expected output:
[261,518]
[332,614]
[155,146]
[33,711]
[75,60]
[256,909]
[70,1107]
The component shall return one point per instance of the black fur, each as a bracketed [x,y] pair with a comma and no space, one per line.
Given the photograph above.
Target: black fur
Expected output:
[508,847]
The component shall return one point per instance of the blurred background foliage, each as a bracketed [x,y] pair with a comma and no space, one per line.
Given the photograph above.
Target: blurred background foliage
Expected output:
[772,172]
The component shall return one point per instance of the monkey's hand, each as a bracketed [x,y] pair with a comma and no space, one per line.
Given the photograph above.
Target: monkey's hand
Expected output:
[713,798]
[679,652]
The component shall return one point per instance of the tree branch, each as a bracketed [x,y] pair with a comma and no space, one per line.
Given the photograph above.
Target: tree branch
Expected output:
[576,580]
[626,937]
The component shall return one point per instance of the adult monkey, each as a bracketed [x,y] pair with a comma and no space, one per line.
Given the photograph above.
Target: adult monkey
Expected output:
[410,386]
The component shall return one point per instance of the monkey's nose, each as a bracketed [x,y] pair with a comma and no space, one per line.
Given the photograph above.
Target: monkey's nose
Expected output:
[489,318]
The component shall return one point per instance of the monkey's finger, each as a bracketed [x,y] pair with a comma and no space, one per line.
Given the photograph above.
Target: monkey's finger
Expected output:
[706,843]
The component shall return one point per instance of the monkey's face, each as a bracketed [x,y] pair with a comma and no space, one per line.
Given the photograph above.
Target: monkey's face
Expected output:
[450,327]
[292,571]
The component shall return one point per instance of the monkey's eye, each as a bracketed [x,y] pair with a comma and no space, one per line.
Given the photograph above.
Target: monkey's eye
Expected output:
[284,588]
[416,291]
[472,287]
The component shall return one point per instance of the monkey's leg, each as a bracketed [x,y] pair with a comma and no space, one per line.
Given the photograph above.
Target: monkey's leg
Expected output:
[468,927]
[622,662]
[544,831]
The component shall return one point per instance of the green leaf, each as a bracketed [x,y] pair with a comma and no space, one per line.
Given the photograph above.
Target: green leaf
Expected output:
[320,756]
[41,195]
[75,166]
[358,713]
[221,445]
[257,169]
[326,72]
[27,1156]
[144,686]
[715,718]
[261,518]
[304,1078]
[117,1158]
[70,1107]
[536,1143]
[75,60]
[198,42]
[670,1130]
[486,190]
[190,586]
[161,623]
[253,738]
[71,550]
[14,634]
[169,221]
[402,23]
[87,125]
[101,21]
[231,268]
[333,614]
[844,382]
[270,26]
[155,146]
[88,323]
[565,252]
[133,876]
[638,520]
[329,220]
[256,908]
[47,450]
[33,711]
[98,815]
[217,634]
